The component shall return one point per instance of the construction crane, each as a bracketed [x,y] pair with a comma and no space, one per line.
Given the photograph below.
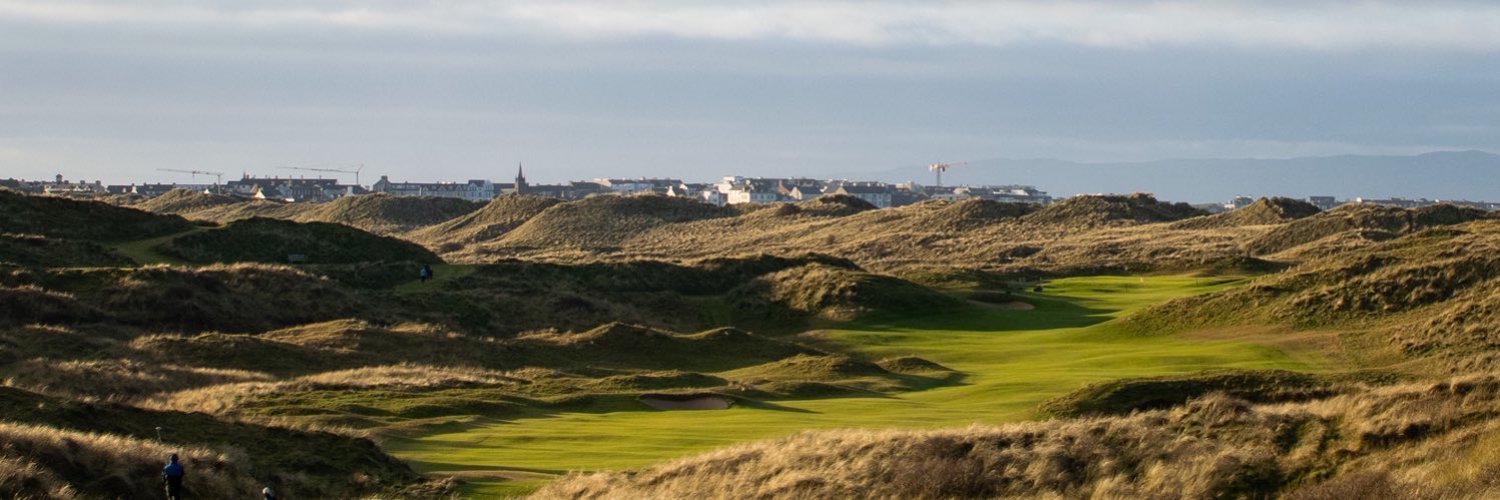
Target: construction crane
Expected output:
[218,176]
[941,167]
[340,170]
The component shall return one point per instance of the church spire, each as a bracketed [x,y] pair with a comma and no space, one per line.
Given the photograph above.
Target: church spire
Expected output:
[520,178]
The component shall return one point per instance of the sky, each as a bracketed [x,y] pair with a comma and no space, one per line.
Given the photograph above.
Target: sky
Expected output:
[452,90]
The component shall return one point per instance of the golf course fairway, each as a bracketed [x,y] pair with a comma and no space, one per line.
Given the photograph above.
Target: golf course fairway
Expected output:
[1013,360]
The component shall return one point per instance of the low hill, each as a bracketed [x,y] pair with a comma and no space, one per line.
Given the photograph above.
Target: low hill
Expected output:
[377,213]
[272,240]
[384,214]
[183,201]
[82,220]
[835,205]
[607,221]
[496,218]
[1264,211]
[1093,210]
[630,346]
[1360,217]
[230,212]
[968,215]
[830,292]
[346,344]
[1431,295]
[826,375]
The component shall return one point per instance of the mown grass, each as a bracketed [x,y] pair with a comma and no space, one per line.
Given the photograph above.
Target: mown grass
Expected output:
[1013,359]
[144,251]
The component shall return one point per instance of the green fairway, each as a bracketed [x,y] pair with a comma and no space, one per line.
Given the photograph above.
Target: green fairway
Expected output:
[1013,359]
[144,251]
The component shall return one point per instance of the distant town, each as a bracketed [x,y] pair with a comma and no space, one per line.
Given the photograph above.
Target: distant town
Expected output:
[732,190]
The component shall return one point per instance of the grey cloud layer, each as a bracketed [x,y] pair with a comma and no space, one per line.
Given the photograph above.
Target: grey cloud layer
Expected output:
[457,90]
[1307,25]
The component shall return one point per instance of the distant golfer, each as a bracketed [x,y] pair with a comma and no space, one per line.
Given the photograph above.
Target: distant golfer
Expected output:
[425,273]
[171,477]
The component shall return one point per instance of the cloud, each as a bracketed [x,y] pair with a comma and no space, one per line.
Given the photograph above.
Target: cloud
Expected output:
[1311,25]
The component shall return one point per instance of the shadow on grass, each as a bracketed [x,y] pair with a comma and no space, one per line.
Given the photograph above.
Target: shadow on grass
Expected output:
[431,466]
[1051,312]
[766,405]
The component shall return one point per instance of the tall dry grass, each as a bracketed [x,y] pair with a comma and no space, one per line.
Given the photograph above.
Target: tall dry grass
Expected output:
[227,399]
[23,478]
[1111,232]
[45,462]
[116,379]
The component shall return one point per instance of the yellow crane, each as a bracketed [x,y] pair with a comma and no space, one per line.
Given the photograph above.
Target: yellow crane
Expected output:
[941,167]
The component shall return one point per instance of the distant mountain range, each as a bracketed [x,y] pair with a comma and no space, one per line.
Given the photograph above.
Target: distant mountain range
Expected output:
[1465,175]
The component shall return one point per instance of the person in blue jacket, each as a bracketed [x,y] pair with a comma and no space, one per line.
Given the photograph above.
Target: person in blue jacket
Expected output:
[171,476]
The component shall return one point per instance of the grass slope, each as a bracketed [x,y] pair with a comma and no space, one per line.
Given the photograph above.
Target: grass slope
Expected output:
[1082,235]
[40,251]
[497,217]
[272,241]
[607,221]
[181,201]
[1360,217]
[1013,360]
[1264,211]
[1432,297]
[380,213]
[82,220]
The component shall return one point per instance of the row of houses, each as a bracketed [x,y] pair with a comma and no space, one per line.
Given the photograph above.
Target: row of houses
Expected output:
[731,190]
[480,189]
[727,191]
[736,190]
[58,186]
[1330,202]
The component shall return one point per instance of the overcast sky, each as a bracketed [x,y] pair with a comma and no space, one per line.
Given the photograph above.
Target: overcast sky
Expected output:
[451,90]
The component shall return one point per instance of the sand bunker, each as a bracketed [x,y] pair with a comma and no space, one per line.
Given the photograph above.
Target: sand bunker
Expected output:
[686,401]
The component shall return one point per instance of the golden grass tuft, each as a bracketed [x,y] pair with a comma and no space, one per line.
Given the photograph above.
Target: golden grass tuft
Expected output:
[116,379]
[227,399]
[68,464]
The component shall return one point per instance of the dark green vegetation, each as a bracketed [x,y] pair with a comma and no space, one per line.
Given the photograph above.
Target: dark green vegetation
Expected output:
[33,250]
[68,219]
[271,240]
[1127,395]
[1264,352]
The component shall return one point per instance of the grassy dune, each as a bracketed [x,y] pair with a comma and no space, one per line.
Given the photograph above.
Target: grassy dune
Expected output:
[1013,360]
